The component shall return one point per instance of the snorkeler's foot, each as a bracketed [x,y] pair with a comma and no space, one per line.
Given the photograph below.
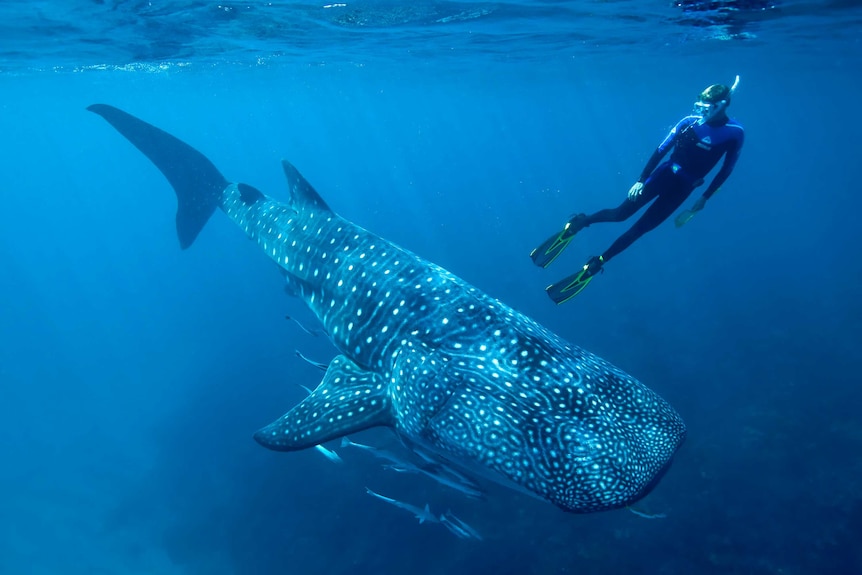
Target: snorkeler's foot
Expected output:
[566,289]
[594,265]
[575,224]
[546,253]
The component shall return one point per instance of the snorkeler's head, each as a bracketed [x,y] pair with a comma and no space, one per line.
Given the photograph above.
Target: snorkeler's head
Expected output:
[715,94]
[713,101]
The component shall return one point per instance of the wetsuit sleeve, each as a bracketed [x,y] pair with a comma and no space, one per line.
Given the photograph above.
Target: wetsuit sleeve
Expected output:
[730,159]
[651,164]
[665,145]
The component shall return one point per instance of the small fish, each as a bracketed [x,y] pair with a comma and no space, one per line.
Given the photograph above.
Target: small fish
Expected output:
[458,527]
[317,364]
[435,471]
[422,515]
[435,461]
[379,453]
[329,454]
[457,482]
[401,467]
[311,332]
[647,515]
[449,470]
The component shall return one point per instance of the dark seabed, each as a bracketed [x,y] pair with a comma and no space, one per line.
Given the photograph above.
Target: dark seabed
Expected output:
[133,374]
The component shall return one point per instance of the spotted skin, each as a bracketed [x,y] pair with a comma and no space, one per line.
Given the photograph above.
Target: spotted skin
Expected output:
[453,371]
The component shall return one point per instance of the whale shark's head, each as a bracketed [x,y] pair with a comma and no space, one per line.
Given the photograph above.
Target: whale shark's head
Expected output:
[559,423]
[604,440]
[613,452]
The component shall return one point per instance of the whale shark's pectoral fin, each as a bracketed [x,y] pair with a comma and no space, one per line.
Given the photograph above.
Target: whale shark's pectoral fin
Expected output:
[349,399]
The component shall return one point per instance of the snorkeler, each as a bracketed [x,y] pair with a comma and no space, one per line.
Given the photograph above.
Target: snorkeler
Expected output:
[699,141]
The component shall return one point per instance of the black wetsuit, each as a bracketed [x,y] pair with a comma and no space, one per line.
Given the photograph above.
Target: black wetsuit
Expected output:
[696,150]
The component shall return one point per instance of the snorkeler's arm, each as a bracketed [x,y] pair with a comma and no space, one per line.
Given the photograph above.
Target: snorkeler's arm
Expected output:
[665,145]
[730,159]
[651,164]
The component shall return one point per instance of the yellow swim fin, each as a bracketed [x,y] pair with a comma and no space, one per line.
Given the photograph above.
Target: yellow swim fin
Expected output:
[566,289]
[552,247]
[546,253]
[683,218]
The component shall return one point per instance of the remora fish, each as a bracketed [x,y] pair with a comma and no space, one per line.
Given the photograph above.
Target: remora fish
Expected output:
[325,451]
[452,370]
[449,520]
[319,365]
[458,526]
[421,514]
[436,471]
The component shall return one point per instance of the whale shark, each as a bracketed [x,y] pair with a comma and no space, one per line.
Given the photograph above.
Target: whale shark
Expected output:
[460,377]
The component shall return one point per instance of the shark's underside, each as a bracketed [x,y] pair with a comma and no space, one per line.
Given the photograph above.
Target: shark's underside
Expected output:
[456,373]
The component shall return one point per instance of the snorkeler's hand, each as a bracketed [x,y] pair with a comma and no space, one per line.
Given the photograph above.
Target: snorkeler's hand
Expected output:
[636,190]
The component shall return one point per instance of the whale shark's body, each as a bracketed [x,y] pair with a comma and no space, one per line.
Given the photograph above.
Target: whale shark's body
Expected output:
[457,374]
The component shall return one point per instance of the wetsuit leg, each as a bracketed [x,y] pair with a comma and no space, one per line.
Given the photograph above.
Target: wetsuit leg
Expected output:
[673,192]
[626,209]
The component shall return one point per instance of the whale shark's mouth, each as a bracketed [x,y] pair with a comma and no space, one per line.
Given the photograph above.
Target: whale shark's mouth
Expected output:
[653,483]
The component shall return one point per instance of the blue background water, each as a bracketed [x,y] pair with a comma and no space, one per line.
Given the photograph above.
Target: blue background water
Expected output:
[133,374]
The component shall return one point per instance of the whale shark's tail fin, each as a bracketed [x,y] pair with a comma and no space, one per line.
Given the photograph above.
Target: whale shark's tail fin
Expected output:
[196,181]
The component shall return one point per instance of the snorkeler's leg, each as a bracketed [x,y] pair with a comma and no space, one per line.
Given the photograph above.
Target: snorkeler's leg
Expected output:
[620,213]
[665,204]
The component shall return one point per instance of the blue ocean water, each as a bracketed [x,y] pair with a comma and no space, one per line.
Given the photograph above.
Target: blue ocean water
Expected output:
[133,374]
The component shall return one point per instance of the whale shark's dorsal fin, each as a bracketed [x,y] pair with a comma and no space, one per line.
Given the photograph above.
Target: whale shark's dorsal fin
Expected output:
[349,399]
[301,192]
